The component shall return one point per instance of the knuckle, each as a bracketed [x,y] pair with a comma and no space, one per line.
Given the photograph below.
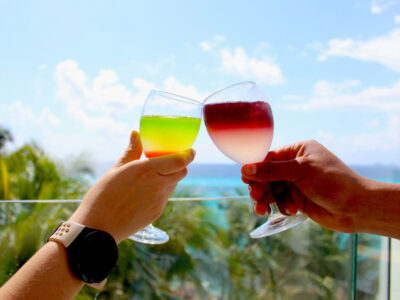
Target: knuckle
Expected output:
[180,162]
[184,172]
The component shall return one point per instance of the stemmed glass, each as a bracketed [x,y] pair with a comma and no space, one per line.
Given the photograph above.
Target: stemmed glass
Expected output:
[169,124]
[240,123]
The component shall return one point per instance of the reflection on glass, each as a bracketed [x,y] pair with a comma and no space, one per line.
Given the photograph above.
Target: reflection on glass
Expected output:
[169,124]
[240,123]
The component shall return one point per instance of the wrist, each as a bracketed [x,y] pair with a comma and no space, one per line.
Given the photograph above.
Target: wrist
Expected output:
[379,209]
[92,253]
[91,219]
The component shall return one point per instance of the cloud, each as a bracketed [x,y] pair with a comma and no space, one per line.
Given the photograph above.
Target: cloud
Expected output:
[156,67]
[172,85]
[98,105]
[105,94]
[397,19]
[210,45]
[378,6]
[46,117]
[383,49]
[42,67]
[263,70]
[19,112]
[326,95]
[372,146]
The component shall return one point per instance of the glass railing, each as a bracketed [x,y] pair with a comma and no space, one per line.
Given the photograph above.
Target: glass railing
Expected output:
[210,255]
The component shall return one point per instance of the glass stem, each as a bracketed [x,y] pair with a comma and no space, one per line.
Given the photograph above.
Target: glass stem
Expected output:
[274,209]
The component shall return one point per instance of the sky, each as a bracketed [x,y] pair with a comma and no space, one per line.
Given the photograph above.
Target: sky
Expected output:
[75,74]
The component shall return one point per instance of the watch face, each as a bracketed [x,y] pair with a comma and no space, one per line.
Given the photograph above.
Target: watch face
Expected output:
[93,255]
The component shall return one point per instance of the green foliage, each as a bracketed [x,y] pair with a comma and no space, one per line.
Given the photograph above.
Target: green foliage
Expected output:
[25,174]
[28,173]
[5,136]
[209,256]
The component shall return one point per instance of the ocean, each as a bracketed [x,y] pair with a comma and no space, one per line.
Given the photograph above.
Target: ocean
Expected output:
[215,180]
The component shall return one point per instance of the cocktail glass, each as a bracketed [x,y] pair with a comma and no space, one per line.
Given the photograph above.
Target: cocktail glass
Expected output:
[240,123]
[169,123]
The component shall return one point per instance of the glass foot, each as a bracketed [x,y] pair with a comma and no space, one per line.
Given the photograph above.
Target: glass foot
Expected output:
[277,223]
[150,235]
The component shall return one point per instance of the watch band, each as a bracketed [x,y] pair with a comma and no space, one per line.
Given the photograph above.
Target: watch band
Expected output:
[65,234]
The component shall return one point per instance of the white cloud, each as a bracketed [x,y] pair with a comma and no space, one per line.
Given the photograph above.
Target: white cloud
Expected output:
[42,67]
[172,85]
[375,9]
[105,95]
[210,45]
[327,95]
[383,49]
[263,70]
[154,68]
[372,146]
[98,106]
[46,117]
[378,6]
[20,112]
[397,19]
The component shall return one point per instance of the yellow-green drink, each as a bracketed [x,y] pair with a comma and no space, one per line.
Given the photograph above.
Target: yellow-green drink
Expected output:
[162,135]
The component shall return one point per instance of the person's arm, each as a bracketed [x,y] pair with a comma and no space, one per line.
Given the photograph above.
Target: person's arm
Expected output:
[46,275]
[306,176]
[118,204]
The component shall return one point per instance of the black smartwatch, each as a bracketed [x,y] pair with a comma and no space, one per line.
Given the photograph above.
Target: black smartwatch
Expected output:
[92,253]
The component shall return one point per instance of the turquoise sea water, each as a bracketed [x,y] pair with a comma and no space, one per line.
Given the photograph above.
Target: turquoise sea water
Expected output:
[213,186]
[228,186]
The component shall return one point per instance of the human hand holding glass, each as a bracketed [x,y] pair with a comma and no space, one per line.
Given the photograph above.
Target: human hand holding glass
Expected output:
[240,123]
[169,124]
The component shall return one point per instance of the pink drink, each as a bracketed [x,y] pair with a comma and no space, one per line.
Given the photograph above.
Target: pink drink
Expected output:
[241,130]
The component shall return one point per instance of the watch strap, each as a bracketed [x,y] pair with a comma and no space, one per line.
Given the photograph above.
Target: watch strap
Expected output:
[66,233]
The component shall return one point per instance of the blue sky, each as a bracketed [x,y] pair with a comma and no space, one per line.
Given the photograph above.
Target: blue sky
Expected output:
[74,74]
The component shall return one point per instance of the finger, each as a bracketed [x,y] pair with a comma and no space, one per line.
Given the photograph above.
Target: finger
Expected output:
[261,207]
[290,170]
[169,164]
[257,189]
[297,196]
[245,180]
[283,198]
[287,152]
[174,178]
[134,150]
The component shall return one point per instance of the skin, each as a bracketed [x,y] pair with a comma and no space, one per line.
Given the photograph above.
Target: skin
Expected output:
[121,203]
[306,176]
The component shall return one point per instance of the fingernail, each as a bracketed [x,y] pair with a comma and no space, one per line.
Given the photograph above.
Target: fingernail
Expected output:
[192,153]
[250,169]
[134,135]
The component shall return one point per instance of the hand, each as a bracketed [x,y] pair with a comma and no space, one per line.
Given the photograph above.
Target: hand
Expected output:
[133,193]
[306,176]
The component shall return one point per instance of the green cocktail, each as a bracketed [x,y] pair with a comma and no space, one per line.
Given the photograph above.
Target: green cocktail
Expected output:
[162,135]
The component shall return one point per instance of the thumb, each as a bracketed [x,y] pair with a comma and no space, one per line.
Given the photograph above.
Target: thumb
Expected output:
[288,170]
[134,150]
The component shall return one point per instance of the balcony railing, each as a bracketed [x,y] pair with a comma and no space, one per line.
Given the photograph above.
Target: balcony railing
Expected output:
[210,255]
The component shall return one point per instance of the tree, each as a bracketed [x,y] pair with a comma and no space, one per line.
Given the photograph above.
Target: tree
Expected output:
[29,173]
[5,136]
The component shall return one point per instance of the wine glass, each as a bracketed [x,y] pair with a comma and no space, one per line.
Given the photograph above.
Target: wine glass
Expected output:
[169,124]
[240,123]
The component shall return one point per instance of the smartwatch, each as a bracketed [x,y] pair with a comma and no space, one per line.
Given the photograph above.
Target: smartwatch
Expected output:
[92,253]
